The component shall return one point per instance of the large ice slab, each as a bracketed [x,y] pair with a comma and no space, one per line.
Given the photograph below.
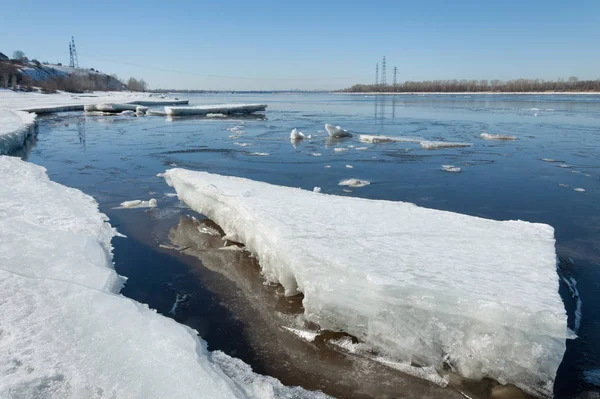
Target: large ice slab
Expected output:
[422,286]
[15,127]
[225,109]
[67,333]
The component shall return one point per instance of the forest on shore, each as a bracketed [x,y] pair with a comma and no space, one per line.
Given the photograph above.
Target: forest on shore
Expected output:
[572,84]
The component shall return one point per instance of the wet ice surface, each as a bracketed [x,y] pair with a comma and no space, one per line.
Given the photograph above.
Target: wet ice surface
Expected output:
[116,158]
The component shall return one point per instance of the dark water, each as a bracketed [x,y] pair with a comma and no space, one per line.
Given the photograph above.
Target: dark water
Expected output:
[117,158]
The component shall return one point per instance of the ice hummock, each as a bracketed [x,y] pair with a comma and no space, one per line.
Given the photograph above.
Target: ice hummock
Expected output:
[65,330]
[337,131]
[421,286]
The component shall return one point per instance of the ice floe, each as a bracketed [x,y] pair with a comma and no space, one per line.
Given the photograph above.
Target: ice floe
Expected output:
[295,135]
[367,138]
[151,203]
[490,136]
[419,285]
[354,183]
[340,149]
[579,189]
[451,168]
[225,109]
[337,131]
[431,145]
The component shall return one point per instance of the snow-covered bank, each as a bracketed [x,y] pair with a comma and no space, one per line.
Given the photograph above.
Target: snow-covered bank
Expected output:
[15,127]
[422,286]
[62,101]
[65,330]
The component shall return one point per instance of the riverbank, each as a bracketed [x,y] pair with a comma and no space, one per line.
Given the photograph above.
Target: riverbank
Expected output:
[468,93]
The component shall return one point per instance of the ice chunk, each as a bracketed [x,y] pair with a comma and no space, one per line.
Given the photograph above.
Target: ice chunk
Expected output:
[336,131]
[450,168]
[15,128]
[579,189]
[317,189]
[260,154]
[489,136]
[349,166]
[366,138]
[354,183]
[419,285]
[126,113]
[66,333]
[155,112]
[430,145]
[296,135]
[316,154]
[110,107]
[225,109]
[139,204]
[340,149]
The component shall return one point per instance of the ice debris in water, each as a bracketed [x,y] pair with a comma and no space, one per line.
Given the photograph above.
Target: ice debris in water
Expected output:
[361,148]
[340,149]
[354,183]
[336,131]
[431,145]
[549,160]
[564,165]
[327,166]
[306,335]
[296,135]
[349,166]
[66,331]
[260,154]
[242,144]
[418,285]
[490,136]
[317,189]
[139,204]
[579,189]
[316,154]
[367,138]
[451,168]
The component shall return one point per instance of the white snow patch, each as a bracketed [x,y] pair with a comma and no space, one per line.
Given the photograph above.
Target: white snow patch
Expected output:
[354,183]
[416,284]
[431,145]
[490,136]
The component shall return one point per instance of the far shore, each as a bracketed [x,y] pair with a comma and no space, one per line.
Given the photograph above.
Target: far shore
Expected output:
[571,93]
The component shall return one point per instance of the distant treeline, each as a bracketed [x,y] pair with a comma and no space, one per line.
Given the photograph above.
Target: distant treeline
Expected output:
[474,86]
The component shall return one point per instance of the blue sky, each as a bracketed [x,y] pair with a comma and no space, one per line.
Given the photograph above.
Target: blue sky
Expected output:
[309,44]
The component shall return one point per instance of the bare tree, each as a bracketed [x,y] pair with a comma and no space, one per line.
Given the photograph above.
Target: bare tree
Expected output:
[18,55]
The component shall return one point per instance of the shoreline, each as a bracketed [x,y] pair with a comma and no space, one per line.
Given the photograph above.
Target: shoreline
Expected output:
[528,93]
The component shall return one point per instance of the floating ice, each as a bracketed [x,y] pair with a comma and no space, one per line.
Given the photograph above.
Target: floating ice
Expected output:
[128,113]
[225,109]
[306,335]
[66,333]
[431,145]
[564,165]
[317,189]
[296,135]
[316,154]
[366,138]
[138,204]
[579,189]
[450,168]
[489,136]
[155,112]
[114,108]
[260,154]
[549,160]
[340,149]
[361,148]
[216,115]
[336,131]
[242,144]
[419,285]
[349,166]
[354,183]
[327,166]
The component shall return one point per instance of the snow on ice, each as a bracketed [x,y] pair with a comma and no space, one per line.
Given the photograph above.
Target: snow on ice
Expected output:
[337,131]
[15,127]
[66,332]
[419,285]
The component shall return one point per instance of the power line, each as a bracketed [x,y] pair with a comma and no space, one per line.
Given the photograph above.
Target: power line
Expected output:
[383,72]
[73,60]
[377,74]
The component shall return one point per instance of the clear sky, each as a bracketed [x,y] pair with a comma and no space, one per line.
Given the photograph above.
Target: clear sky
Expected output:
[306,44]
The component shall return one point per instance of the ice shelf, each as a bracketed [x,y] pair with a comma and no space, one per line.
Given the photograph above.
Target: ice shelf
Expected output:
[422,286]
[67,333]
[15,127]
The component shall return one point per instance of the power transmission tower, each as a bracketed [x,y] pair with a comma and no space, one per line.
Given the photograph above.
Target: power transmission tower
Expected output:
[395,73]
[74,61]
[377,74]
[383,77]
